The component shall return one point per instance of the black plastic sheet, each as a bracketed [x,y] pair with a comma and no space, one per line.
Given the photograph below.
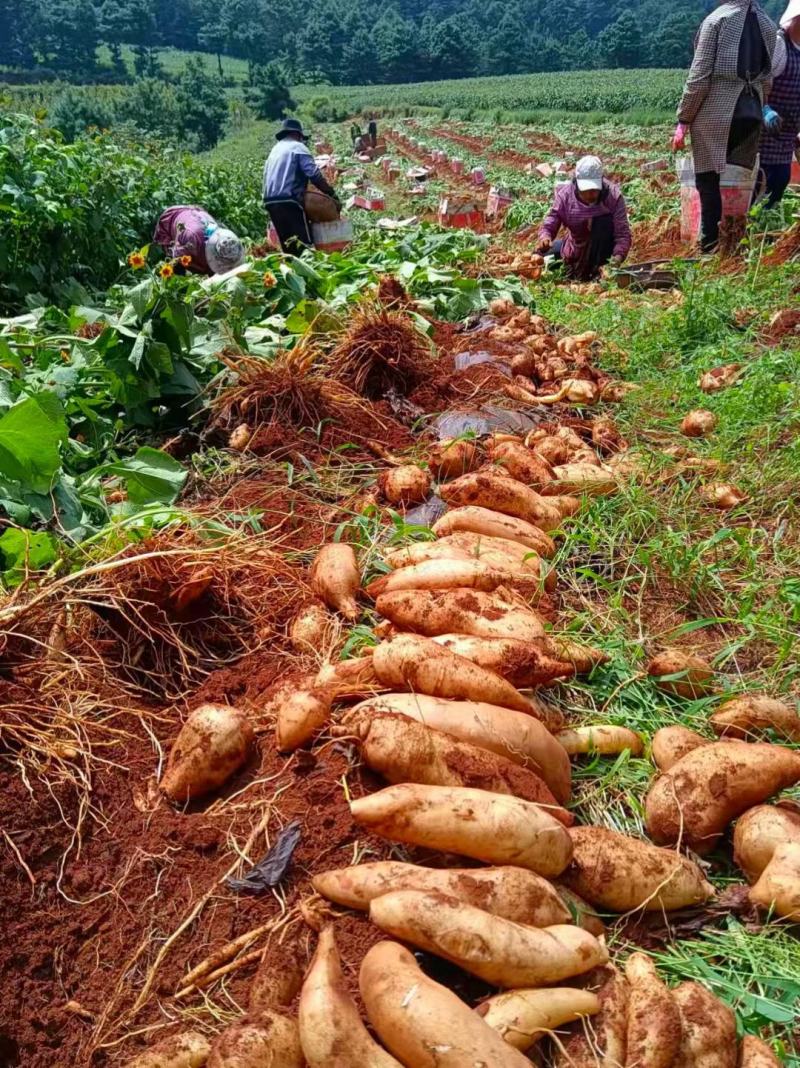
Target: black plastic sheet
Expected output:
[272,869]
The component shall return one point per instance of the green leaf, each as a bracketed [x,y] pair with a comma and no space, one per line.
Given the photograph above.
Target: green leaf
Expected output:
[30,435]
[24,551]
[150,477]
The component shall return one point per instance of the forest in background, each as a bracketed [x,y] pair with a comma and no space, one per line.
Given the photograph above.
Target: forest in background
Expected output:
[342,42]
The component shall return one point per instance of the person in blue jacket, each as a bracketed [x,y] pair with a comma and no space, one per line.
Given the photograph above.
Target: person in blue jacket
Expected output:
[287,172]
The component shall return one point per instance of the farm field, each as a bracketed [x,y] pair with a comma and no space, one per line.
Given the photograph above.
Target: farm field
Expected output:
[173,454]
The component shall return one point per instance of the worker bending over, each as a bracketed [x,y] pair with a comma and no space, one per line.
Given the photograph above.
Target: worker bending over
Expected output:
[196,241]
[594,215]
[287,172]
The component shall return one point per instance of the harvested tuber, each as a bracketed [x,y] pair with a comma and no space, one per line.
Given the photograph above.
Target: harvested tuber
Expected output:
[582,478]
[758,834]
[435,612]
[682,674]
[582,914]
[654,1021]
[522,738]
[778,886]
[240,438]
[424,1024]
[618,873]
[499,493]
[606,740]
[189,1050]
[408,484]
[511,892]
[453,573]
[602,1043]
[494,828]
[405,751]
[212,744]
[671,744]
[498,951]
[522,464]
[496,525]
[452,459]
[583,658]
[743,716]
[719,377]
[263,1040]
[708,1028]
[522,663]
[278,979]
[332,1033]
[698,797]
[491,551]
[753,1053]
[419,665]
[309,628]
[335,578]
[300,716]
[522,1017]
[698,424]
[722,495]
[346,679]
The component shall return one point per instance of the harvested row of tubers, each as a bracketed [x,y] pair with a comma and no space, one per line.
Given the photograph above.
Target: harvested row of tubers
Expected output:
[448,710]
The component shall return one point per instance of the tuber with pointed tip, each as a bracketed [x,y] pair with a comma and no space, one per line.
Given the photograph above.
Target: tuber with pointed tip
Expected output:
[522,1017]
[499,493]
[424,1024]
[482,614]
[188,1050]
[523,738]
[522,464]
[212,744]
[511,892]
[332,1032]
[708,1028]
[698,797]
[495,524]
[451,459]
[743,716]
[602,1042]
[671,744]
[524,664]
[778,887]
[498,951]
[606,740]
[308,629]
[654,1021]
[753,1053]
[618,873]
[335,578]
[494,828]
[264,1039]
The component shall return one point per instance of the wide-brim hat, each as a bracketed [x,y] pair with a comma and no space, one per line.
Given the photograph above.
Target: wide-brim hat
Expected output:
[290,126]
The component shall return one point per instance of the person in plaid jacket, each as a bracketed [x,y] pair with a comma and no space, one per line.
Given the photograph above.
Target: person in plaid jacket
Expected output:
[722,107]
[779,145]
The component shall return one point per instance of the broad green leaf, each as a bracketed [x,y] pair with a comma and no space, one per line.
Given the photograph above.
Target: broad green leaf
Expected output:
[30,435]
[24,551]
[150,477]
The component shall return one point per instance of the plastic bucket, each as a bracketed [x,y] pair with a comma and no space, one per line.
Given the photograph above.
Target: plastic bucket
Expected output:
[736,186]
[332,236]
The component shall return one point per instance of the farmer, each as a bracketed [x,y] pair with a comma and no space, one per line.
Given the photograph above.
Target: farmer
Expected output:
[197,242]
[372,132]
[779,141]
[722,106]
[287,172]
[593,213]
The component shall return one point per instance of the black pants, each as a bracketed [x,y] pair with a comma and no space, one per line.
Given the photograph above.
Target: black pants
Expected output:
[778,176]
[291,224]
[707,185]
[597,254]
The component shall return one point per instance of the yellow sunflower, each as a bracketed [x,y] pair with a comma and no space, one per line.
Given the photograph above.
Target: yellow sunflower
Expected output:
[167,270]
[136,260]
[270,280]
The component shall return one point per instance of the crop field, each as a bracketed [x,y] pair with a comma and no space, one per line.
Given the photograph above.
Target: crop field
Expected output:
[415,555]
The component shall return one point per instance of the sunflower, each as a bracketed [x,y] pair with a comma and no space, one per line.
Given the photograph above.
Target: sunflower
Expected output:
[186,261]
[270,280]
[167,270]
[136,260]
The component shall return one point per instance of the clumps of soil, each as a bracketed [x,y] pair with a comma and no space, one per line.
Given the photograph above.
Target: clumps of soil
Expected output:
[784,324]
[382,352]
[786,248]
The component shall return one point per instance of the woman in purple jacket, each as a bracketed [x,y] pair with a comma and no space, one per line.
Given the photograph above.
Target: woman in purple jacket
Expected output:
[594,215]
[188,233]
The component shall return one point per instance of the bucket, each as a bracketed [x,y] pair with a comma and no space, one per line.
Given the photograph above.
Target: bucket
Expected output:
[332,236]
[319,207]
[478,175]
[457,166]
[736,186]
[795,178]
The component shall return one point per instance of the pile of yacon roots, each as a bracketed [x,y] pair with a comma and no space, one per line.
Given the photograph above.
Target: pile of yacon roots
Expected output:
[448,708]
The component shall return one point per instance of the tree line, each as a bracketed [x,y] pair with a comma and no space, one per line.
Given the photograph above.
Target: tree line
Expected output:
[350,41]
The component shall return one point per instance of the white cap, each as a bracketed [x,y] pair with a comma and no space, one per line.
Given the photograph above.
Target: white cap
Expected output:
[224,251]
[589,173]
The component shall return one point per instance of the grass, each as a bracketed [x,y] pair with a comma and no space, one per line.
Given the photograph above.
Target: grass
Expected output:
[174,60]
